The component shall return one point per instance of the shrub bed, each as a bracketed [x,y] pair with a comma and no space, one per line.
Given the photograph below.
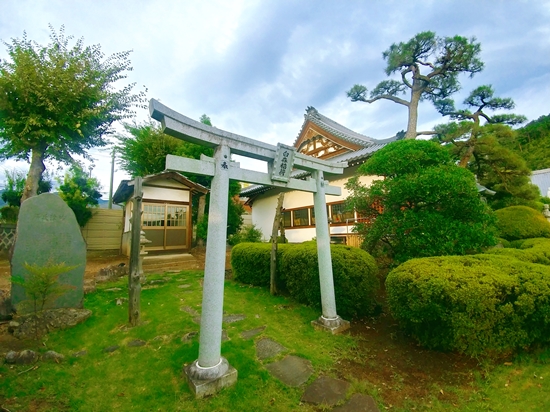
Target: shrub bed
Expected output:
[354,271]
[521,222]
[472,304]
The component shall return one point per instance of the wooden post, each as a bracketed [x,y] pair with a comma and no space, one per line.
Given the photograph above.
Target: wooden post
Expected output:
[134,285]
[274,235]
[200,216]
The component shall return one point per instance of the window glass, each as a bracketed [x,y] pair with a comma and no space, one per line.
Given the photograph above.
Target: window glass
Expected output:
[339,213]
[287,222]
[301,217]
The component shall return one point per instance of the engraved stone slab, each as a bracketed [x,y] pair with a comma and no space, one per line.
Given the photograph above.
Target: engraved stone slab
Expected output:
[48,234]
[267,348]
[326,390]
[292,370]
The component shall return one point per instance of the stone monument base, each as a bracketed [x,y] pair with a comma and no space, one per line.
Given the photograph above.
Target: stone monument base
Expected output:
[208,381]
[334,326]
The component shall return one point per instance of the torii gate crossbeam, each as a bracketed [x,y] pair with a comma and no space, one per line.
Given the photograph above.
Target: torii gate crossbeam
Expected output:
[210,372]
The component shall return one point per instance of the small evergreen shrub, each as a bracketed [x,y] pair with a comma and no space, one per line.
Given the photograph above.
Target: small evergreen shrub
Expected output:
[472,304]
[251,263]
[354,271]
[521,222]
[247,234]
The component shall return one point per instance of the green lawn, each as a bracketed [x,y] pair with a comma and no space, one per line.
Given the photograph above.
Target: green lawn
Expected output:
[149,378]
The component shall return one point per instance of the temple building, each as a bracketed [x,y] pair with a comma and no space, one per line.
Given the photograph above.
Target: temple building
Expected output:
[325,139]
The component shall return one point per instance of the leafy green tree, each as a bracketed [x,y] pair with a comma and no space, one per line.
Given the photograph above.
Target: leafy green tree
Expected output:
[15,184]
[57,101]
[424,206]
[428,67]
[80,192]
[143,150]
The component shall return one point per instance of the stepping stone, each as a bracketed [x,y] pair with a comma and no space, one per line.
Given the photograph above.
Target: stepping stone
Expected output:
[110,349]
[225,338]
[247,334]
[190,310]
[184,286]
[233,318]
[136,343]
[267,348]
[197,320]
[292,370]
[358,403]
[327,391]
[79,354]
[188,336]
[54,356]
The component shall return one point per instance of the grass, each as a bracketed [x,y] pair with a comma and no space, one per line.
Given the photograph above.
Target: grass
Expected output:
[149,378]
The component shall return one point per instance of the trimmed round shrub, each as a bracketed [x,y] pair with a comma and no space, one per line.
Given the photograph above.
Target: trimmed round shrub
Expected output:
[251,263]
[521,222]
[472,304]
[354,271]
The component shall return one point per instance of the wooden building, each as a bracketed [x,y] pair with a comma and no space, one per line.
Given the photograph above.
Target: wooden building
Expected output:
[166,218]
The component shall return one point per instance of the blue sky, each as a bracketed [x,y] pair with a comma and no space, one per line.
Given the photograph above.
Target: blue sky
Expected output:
[254,66]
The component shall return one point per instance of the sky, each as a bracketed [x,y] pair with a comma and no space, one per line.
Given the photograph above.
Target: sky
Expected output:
[255,66]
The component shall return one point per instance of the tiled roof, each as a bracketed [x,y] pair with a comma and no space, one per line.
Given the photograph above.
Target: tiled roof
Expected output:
[369,146]
[334,128]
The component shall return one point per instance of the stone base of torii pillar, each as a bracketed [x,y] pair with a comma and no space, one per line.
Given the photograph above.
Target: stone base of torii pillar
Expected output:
[335,325]
[208,382]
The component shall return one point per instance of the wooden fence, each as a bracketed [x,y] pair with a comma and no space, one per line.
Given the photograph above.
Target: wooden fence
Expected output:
[104,230]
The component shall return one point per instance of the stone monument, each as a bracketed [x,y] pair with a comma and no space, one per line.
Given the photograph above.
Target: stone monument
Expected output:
[48,234]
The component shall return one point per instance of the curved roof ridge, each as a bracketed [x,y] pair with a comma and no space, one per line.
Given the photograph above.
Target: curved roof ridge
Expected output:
[334,128]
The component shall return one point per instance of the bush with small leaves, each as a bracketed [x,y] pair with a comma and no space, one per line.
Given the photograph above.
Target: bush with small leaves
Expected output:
[521,222]
[481,304]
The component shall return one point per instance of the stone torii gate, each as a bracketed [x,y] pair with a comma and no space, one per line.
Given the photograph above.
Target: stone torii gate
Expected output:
[211,372]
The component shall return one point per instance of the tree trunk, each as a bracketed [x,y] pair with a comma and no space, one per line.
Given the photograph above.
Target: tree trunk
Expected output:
[35,173]
[134,285]
[413,114]
[274,235]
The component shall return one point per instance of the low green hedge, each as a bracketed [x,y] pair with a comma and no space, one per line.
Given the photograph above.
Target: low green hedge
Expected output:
[521,222]
[354,271]
[472,304]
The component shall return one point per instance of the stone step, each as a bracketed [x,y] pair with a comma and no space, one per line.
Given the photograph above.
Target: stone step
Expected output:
[164,263]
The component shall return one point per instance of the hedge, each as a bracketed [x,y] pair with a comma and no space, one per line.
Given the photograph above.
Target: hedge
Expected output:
[472,304]
[354,271]
[521,222]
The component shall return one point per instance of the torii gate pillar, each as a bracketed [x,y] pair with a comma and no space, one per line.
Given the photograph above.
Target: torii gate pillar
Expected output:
[329,320]
[211,372]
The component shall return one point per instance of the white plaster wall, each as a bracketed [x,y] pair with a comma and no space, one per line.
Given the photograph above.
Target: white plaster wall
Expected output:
[165,194]
[263,210]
